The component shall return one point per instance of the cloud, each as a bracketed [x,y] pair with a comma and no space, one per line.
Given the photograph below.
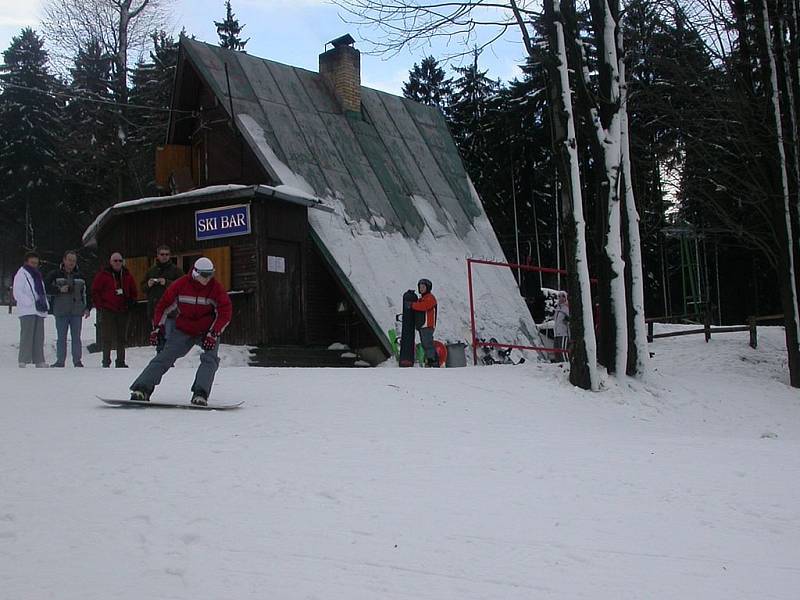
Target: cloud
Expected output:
[14,13]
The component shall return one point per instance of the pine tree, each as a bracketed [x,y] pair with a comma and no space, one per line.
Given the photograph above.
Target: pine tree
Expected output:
[90,148]
[229,29]
[28,145]
[467,112]
[428,84]
[152,91]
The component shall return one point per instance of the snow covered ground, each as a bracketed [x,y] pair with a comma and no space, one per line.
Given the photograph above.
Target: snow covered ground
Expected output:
[488,482]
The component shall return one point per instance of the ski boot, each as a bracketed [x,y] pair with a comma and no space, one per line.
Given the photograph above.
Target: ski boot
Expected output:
[200,399]
[140,396]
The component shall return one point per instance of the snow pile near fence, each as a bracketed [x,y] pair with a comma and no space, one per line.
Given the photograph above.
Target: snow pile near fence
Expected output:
[356,484]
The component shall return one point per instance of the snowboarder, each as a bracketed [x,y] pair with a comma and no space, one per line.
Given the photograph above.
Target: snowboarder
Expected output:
[32,307]
[70,305]
[156,281]
[425,319]
[114,293]
[561,324]
[204,311]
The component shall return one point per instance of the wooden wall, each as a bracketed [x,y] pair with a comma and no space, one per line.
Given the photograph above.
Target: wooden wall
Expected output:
[138,234]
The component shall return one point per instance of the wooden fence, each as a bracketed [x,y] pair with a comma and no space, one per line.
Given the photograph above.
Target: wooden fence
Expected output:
[708,330]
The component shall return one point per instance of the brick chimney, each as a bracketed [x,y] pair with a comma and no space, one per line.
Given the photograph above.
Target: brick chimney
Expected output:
[341,68]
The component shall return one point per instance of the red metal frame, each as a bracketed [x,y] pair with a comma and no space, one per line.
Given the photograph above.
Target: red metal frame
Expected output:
[479,344]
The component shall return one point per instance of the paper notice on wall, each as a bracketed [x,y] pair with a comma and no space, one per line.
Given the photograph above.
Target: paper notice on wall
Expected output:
[276,264]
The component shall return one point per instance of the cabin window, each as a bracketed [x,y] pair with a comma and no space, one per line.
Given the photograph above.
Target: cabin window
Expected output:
[220,256]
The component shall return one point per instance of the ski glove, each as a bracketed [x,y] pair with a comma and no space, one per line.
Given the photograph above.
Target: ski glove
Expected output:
[157,335]
[209,342]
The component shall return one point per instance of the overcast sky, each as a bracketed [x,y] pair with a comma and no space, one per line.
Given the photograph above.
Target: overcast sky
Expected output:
[288,31]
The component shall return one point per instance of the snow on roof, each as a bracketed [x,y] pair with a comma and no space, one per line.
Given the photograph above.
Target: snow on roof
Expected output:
[91,231]
[380,265]
[283,192]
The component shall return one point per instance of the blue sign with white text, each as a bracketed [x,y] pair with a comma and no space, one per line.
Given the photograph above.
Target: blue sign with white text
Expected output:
[227,221]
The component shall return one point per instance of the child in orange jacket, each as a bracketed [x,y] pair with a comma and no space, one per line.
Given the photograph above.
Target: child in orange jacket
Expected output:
[426,308]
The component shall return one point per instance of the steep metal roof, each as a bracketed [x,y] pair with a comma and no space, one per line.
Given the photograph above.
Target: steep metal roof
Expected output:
[374,162]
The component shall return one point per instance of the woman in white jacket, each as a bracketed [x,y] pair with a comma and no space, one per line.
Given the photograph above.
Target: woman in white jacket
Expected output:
[561,324]
[32,309]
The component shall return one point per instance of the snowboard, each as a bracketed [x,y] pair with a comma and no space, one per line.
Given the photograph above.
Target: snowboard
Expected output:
[408,332]
[155,404]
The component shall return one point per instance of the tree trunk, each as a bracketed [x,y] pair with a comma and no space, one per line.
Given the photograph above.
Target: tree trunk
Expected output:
[583,357]
[634,279]
[788,254]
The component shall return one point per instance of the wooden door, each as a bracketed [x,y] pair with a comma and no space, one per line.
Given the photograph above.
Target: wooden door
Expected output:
[283,282]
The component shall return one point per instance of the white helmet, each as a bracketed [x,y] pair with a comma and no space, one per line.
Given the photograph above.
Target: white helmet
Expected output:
[203,267]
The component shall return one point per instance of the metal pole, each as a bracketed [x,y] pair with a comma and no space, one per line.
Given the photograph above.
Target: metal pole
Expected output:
[536,237]
[472,314]
[558,231]
[719,294]
[663,274]
[516,225]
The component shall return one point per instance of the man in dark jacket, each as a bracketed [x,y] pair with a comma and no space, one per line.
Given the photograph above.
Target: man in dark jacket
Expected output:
[114,293]
[156,281]
[69,306]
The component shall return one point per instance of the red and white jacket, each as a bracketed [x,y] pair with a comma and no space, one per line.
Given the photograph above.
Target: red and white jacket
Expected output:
[428,305]
[201,308]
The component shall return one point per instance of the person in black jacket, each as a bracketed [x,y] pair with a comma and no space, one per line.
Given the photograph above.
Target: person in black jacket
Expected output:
[156,281]
[69,304]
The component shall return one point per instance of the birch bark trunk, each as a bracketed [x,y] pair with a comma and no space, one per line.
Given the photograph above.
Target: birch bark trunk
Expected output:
[789,284]
[583,358]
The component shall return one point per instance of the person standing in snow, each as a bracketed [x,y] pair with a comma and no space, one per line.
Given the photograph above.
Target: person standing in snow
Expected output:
[204,311]
[425,310]
[32,307]
[114,293]
[561,324]
[67,288]
[156,281]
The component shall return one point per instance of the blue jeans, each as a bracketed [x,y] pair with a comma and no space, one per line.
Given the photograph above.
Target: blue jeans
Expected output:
[72,323]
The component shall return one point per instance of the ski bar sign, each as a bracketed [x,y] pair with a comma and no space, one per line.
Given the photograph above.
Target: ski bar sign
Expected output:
[226,221]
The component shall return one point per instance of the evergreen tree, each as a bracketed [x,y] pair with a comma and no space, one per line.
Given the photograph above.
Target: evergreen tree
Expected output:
[151,94]
[29,122]
[428,84]
[229,29]
[90,149]
[467,112]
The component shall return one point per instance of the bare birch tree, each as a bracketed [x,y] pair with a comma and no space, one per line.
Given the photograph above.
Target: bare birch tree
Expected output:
[122,27]
[792,316]
[583,358]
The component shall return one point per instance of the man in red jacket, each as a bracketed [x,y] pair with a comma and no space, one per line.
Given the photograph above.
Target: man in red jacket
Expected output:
[113,294]
[204,310]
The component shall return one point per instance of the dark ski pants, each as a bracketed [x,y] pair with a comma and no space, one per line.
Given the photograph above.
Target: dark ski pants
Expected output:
[426,339]
[177,346]
[73,324]
[113,333]
[31,339]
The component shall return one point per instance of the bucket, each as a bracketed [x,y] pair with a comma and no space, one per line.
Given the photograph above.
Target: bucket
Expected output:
[456,355]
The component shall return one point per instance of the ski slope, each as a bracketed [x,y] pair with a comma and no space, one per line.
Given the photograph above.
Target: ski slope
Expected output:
[474,483]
